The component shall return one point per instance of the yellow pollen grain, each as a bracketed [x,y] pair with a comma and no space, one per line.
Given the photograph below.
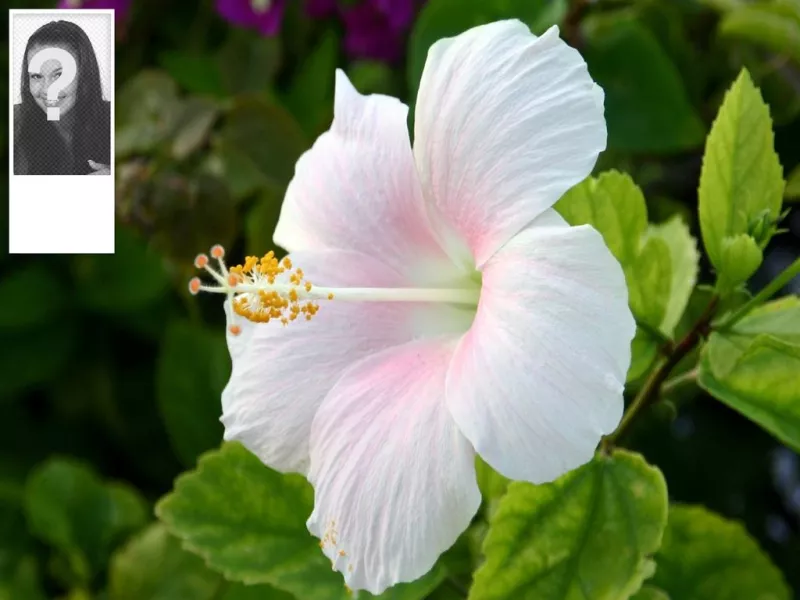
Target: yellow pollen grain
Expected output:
[330,296]
[342,553]
[264,304]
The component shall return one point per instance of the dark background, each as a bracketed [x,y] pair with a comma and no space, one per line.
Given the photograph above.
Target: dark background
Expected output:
[107,359]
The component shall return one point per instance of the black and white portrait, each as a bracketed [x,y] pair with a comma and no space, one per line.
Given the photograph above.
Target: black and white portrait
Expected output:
[62,116]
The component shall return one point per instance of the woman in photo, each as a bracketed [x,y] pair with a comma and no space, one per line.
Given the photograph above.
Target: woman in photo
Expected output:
[79,142]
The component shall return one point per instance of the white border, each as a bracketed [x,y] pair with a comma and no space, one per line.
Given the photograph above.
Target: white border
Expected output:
[60,214]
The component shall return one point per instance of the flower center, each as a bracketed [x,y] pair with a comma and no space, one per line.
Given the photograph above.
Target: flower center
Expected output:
[266,289]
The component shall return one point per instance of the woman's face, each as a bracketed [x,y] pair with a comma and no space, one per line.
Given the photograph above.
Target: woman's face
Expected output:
[51,71]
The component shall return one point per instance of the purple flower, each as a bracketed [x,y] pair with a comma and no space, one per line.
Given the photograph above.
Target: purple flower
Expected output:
[121,7]
[262,15]
[376,29]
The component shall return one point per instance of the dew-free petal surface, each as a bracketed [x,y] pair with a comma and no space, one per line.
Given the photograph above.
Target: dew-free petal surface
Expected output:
[394,479]
[538,379]
[505,124]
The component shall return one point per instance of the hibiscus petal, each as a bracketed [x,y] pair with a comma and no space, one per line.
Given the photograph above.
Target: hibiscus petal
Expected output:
[357,189]
[539,377]
[505,124]
[281,374]
[394,480]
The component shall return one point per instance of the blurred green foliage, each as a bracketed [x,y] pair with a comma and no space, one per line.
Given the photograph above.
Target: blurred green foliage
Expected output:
[111,374]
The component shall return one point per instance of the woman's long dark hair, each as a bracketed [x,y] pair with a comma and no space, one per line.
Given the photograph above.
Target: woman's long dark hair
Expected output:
[43,149]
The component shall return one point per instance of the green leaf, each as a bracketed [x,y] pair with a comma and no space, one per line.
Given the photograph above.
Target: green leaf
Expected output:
[15,541]
[239,591]
[741,177]
[194,122]
[649,279]
[644,349]
[614,205]
[193,367]
[764,26]
[131,278]
[153,566]
[684,260]
[146,110]
[492,484]
[447,18]
[373,77]
[190,214]
[32,295]
[792,191]
[741,257]
[24,583]
[310,95]
[265,136]
[761,385]
[260,223]
[706,557]
[649,592]
[247,62]
[752,367]
[249,523]
[647,107]
[588,534]
[70,508]
[195,73]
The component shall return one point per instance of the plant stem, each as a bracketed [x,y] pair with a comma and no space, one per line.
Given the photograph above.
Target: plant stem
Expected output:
[678,381]
[772,288]
[651,390]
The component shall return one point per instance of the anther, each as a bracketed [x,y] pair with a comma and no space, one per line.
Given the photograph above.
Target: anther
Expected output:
[194,285]
[201,261]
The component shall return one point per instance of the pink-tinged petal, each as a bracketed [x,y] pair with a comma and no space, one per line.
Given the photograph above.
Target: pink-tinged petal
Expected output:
[281,374]
[505,124]
[357,189]
[539,377]
[394,479]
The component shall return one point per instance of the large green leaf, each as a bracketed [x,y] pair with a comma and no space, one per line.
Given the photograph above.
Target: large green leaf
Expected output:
[310,95]
[753,368]
[146,112]
[70,508]
[193,367]
[660,261]
[447,18]
[649,592]
[589,534]
[264,136]
[741,181]
[249,523]
[684,259]
[614,205]
[705,557]
[647,107]
[153,566]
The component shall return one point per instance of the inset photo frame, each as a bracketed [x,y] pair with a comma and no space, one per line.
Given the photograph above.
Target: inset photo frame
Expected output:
[61,171]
